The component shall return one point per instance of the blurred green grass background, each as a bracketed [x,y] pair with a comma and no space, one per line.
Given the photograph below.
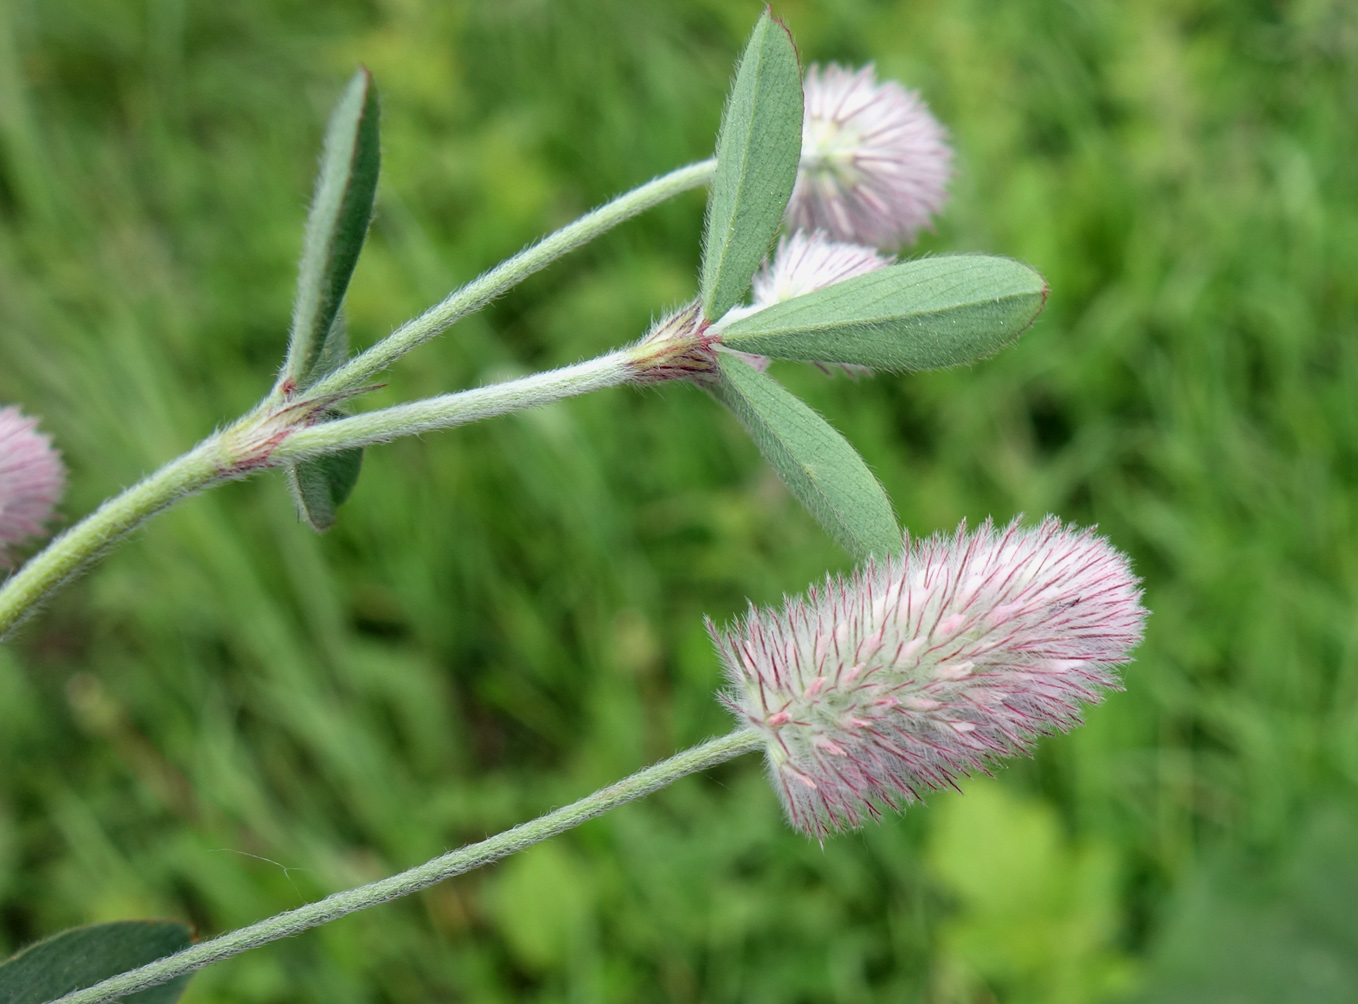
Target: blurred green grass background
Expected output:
[230,715]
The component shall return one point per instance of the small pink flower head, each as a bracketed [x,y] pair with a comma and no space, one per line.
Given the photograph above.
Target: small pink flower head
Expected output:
[808,261]
[915,671]
[875,162]
[31,478]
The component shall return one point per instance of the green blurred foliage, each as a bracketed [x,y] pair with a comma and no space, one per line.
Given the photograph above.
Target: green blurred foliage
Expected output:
[230,715]
[1036,916]
[1267,930]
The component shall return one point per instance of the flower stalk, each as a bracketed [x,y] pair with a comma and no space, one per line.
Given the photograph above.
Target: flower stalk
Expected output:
[464,859]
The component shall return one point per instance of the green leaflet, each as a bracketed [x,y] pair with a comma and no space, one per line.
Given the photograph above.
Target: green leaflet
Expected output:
[335,231]
[917,315]
[817,464]
[336,228]
[321,485]
[757,154]
[82,956]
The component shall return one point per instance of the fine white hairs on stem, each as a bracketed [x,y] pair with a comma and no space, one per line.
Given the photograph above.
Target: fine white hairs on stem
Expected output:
[916,670]
[31,479]
[875,162]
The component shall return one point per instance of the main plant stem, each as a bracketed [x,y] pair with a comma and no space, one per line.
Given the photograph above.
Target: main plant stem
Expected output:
[456,862]
[261,440]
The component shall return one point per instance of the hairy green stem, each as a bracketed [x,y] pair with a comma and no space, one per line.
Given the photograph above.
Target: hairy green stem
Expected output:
[265,439]
[113,520]
[448,410]
[456,862]
[476,294]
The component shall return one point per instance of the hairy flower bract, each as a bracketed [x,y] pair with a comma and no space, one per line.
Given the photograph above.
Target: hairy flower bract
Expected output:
[920,668]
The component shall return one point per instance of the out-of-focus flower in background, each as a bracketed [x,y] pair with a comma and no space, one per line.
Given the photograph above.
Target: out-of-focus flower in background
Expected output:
[32,479]
[875,162]
[804,261]
[807,261]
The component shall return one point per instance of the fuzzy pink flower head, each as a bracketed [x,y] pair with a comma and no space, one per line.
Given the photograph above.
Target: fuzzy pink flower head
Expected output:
[875,163]
[31,478]
[912,672]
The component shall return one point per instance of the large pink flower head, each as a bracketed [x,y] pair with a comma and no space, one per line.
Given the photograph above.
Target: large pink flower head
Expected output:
[921,668]
[31,478]
[875,163]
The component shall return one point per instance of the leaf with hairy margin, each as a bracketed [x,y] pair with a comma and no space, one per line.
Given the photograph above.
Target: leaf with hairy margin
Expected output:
[758,150]
[818,465]
[336,229]
[922,314]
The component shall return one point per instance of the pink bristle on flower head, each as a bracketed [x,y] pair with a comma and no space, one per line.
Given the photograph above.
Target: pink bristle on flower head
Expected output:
[31,479]
[875,163]
[915,671]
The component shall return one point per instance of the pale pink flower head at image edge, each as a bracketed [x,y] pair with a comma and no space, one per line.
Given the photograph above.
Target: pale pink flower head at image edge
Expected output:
[918,669]
[875,162]
[31,479]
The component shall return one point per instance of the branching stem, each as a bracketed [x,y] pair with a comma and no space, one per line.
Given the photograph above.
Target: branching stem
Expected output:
[361,370]
[448,410]
[273,433]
